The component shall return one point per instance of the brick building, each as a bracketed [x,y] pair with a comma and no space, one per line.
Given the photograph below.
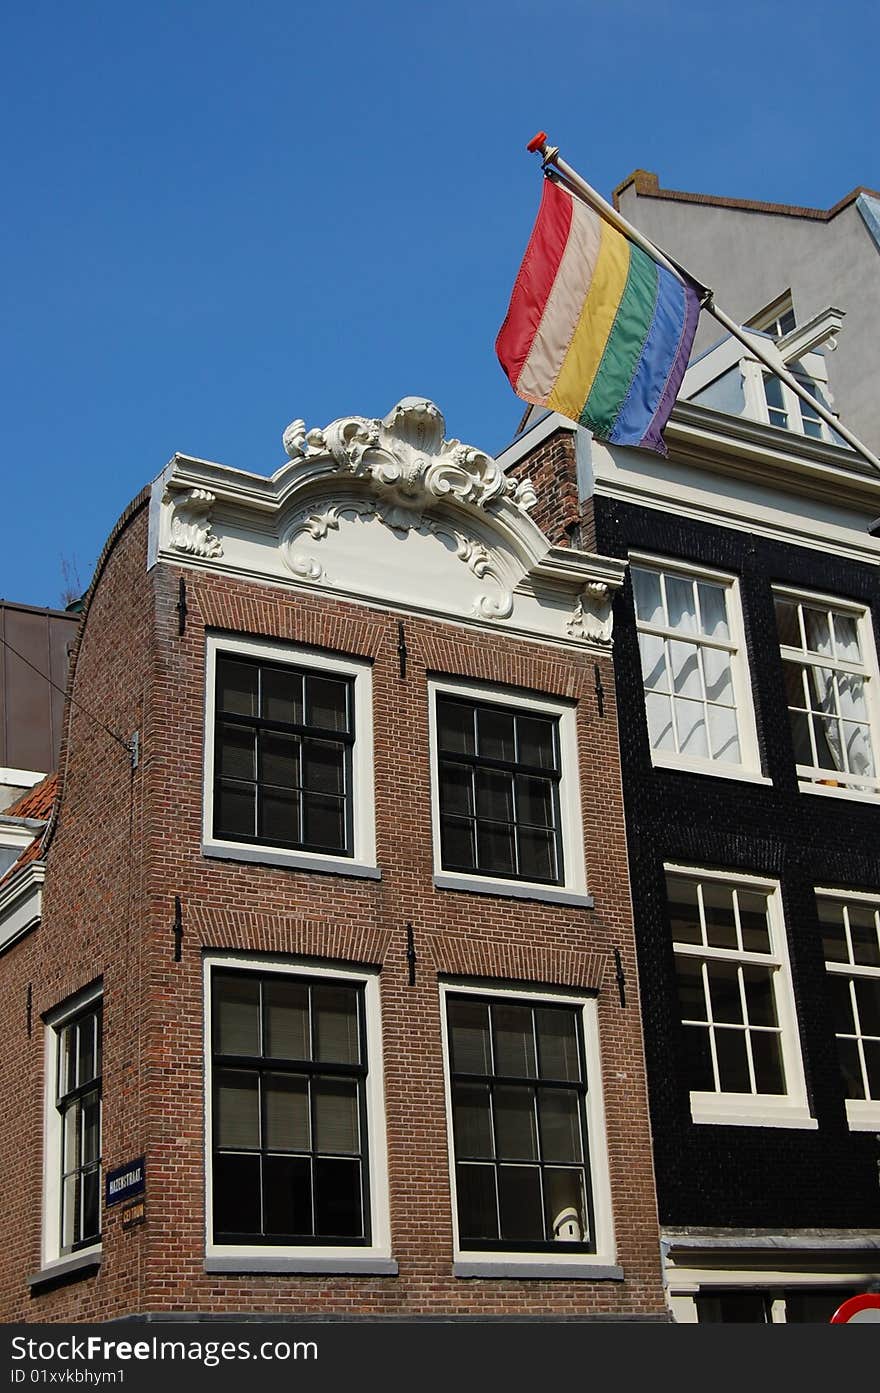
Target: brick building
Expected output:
[332,1006]
[746,641]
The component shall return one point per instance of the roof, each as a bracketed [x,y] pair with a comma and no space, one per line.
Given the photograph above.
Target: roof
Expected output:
[37,803]
[647,185]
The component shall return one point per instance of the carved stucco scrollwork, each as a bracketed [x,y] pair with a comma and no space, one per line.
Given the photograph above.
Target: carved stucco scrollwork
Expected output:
[317,525]
[190,528]
[592,618]
[406,459]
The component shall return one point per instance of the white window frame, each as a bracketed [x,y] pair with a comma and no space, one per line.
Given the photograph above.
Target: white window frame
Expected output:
[808,775]
[755,1109]
[749,767]
[53,1260]
[767,319]
[593,1266]
[368,1259]
[794,407]
[362,862]
[573,889]
[863,1114]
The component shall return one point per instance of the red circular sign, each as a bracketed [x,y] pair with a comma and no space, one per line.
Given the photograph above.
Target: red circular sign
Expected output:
[858,1308]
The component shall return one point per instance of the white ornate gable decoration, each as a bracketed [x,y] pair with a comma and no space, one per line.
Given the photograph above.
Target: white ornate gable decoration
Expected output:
[400,473]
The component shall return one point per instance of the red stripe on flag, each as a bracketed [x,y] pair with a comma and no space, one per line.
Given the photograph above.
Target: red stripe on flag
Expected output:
[537,273]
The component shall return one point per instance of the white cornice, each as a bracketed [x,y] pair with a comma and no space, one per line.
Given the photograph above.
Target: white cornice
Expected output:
[21,900]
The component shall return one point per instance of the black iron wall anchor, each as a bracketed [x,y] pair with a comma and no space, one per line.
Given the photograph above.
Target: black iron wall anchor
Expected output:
[600,690]
[621,977]
[402,651]
[411,954]
[177,929]
[181,607]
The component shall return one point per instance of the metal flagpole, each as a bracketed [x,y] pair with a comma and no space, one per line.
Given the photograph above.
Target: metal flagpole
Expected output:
[581,189]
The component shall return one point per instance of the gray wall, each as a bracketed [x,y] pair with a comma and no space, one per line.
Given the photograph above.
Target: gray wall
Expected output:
[751,258]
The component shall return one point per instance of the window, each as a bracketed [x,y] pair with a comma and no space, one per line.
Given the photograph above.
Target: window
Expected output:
[288,758]
[506,800]
[697,696]
[777,319]
[851,943]
[72,1181]
[788,411]
[295,1131]
[829,665]
[529,1175]
[742,1058]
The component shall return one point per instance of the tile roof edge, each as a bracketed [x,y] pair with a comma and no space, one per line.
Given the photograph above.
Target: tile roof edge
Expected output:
[647,185]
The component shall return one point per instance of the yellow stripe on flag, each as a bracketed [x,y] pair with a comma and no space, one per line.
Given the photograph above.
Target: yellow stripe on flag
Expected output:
[594,326]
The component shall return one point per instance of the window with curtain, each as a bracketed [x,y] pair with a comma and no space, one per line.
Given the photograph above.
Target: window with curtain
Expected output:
[830,691]
[693,669]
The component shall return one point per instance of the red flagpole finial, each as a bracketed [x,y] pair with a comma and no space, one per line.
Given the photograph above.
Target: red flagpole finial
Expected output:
[537,142]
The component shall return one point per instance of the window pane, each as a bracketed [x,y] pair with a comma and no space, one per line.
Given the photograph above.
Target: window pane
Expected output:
[558,1052]
[560,1124]
[833,936]
[86,1049]
[335,1024]
[515,1128]
[287,1196]
[236,751]
[455,726]
[872,1064]
[237,1014]
[718,676]
[326,703]
[279,815]
[519,1194]
[733,1066]
[286,1100]
[536,743]
[323,767]
[71,1140]
[681,604]
[473,1120]
[335,1102]
[281,692]
[494,795]
[846,634]
[469,1037]
[690,719]
[851,697]
[90,1223]
[338,1202]
[279,759]
[324,820]
[477,1206]
[534,801]
[698,1059]
[237,687]
[90,1122]
[514,1041]
[793,678]
[753,921]
[537,855]
[685,666]
[732,1307]
[68,1061]
[287,1019]
[841,1005]
[646,592]
[787,626]
[237,1105]
[691,994]
[760,1000]
[684,912]
[723,734]
[720,921]
[659,713]
[863,932]
[817,629]
[70,1210]
[724,992]
[236,1185]
[495,733]
[802,1307]
[652,650]
[850,1068]
[457,849]
[234,811]
[800,738]
[495,848]
[868,1002]
[713,610]
[456,789]
[565,1210]
[767,1059]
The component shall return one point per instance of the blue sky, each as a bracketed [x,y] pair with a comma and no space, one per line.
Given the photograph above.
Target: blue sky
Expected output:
[222,216]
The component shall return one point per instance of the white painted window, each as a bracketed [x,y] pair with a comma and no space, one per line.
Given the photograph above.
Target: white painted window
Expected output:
[295,1136]
[851,943]
[788,411]
[526,1131]
[692,648]
[741,1047]
[505,793]
[830,671]
[288,757]
[72,1156]
[777,318]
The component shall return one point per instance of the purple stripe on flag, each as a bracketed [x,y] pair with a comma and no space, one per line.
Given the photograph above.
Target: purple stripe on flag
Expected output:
[652,439]
[655,363]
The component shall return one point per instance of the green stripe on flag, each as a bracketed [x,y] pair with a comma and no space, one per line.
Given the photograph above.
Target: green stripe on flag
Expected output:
[625,342]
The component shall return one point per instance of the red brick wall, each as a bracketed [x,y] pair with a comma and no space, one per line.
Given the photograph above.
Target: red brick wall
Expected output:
[127,844]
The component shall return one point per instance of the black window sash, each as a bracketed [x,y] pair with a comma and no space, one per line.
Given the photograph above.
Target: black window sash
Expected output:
[65,1102]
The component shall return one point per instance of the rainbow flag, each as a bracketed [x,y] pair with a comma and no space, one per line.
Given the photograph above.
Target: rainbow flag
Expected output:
[596,330]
